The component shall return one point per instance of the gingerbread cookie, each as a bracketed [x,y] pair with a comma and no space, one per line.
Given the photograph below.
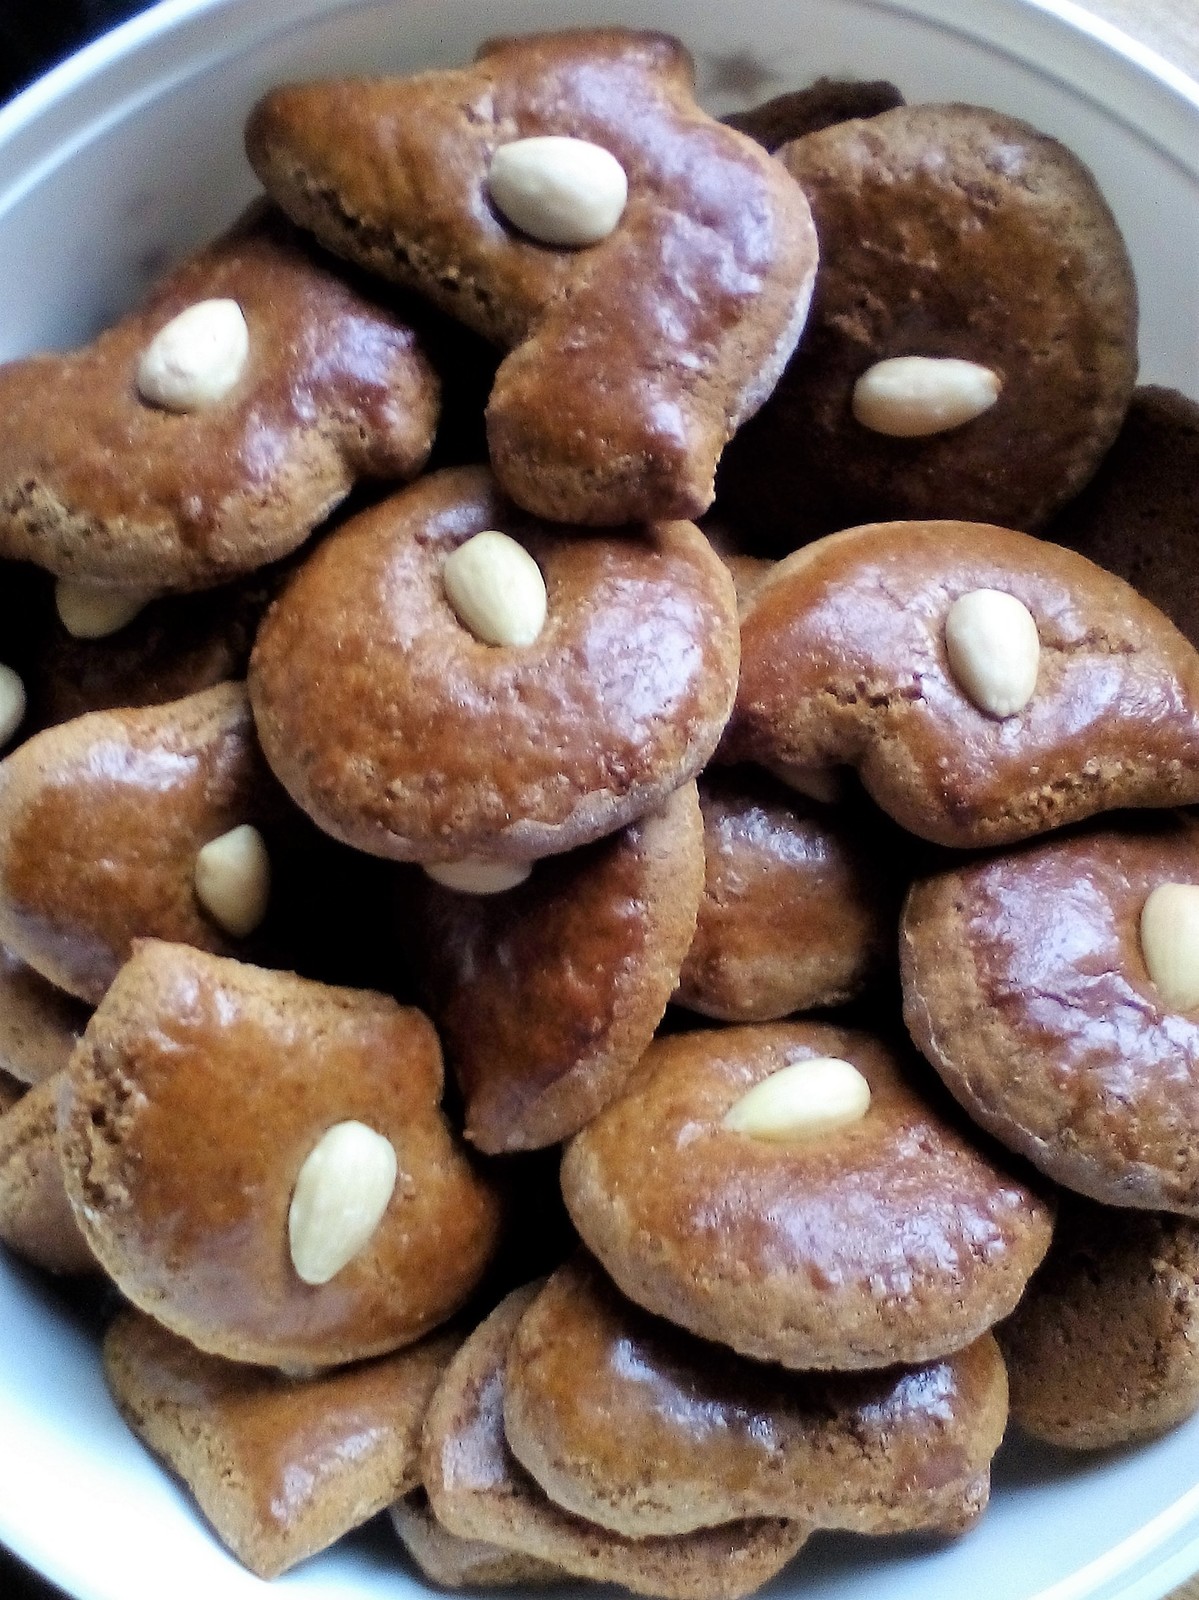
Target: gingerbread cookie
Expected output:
[479,1491]
[1138,516]
[972,344]
[261,1164]
[1043,985]
[36,1220]
[595,1389]
[987,686]
[1102,1349]
[103,826]
[821,105]
[547,995]
[649,269]
[39,1024]
[209,432]
[448,679]
[796,911]
[787,1190]
[280,1466]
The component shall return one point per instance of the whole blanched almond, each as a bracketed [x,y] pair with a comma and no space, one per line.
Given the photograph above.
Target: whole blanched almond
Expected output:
[233,879]
[910,397]
[479,877]
[1170,943]
[89,611]
[496,589]
[801,1101]
[12,703]
[559,190]
[994,650]
[197,358]
[341,1193]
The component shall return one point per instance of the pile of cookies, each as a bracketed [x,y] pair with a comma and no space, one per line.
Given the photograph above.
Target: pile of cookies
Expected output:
[803,898]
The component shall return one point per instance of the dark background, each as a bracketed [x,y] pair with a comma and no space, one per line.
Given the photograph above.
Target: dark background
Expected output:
[34,34]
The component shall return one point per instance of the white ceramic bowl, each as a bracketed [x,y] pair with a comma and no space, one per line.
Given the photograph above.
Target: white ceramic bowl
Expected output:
[130,153]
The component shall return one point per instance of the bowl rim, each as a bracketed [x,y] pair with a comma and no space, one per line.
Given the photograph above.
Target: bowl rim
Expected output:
[62,107]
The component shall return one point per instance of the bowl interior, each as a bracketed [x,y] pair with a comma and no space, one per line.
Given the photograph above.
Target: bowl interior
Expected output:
[131,154]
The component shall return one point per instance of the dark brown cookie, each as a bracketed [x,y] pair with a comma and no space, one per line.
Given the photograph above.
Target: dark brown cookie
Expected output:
[633,1424]
[797,910]
[39,1024]
[281,1466]
[633,360]
[203,1141]
[546,996]
[1102,1349]
[846,658]
[946,231]
[401,732]
[1027,987]
[888,1238]
[99,484]
[823,103]
[1139,515]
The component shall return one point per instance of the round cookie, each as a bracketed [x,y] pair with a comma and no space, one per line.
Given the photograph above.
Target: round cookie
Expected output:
[796,910]
[1102,1350]
[479,1491]
[454,1563]
[634,358]
[195,1099]
[1026,985]
[595,1389]
[1139,515]
[891,1239]
[845,660]
[400,732]
[945,231]
[281,1466]
[546,996]
[99,484]
[101,821]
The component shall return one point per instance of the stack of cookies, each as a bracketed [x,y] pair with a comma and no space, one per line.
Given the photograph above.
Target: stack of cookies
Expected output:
[802,898]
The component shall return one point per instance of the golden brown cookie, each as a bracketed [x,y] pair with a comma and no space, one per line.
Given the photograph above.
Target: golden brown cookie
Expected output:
[1139,515]
[478,1490]
[201,1095]
[101,822]
[454,1563]
[547,995]
[1102,1349]
[797,910]
[891,1238]
[1026,985]
[39,1024]
[631,1423]
[36,1220]
[100,484]
[823,103]
[401,732]
[633,360]
[846,658]
[281,1466]
[946,231]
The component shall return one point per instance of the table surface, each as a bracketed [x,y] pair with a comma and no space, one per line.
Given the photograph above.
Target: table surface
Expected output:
[36,33]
